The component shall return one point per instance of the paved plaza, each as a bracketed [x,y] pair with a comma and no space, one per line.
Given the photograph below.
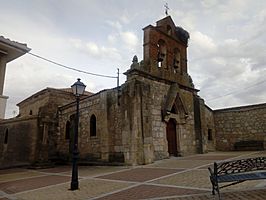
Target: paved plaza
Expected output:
[180,178]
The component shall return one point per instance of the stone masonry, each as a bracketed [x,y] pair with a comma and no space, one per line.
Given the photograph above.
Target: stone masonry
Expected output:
[245,123]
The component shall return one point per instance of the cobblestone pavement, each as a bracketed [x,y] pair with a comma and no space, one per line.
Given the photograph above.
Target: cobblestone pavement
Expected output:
[181,178]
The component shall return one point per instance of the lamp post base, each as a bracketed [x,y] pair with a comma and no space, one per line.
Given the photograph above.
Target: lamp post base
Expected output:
[74,185]
[74,179]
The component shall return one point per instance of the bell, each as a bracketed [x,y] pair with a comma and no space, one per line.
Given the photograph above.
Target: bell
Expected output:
[160,57]
[176,63]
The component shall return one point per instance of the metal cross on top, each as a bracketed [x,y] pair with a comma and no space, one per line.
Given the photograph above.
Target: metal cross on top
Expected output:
[166,8]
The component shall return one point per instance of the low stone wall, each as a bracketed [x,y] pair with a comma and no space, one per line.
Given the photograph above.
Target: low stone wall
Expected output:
[233,125]
[18,138]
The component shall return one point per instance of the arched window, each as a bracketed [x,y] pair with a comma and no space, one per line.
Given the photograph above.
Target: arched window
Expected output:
[93,126]
[161,56]
[177,60]
[67,136]
[6,136]
[169,30]
[30,112]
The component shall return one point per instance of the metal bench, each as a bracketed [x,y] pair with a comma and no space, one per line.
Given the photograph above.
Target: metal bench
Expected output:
[237,171]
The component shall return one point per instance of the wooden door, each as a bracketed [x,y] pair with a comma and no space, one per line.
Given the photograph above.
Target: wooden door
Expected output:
[171,137]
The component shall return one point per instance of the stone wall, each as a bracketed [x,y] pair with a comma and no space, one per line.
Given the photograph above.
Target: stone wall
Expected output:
[247,123]
[51,96]
[208,128]
[90,147]
[32,107]
[20,147]
[152,99]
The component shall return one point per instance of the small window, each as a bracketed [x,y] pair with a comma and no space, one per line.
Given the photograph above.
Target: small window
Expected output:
[93,126]
[67,136]
[209,134]
[30,112]
[6,137]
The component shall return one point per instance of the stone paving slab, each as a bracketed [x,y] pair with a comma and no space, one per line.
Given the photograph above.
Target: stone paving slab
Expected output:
[18,175]
[193,178]
[236,195]
[16,186]
[60,169]
[256,184]
[257,154]
[91,171]
[174,178]
[140,174]
[88,188]
[209,157]
[149,191]
[236,155]
[177,163]
[11,171]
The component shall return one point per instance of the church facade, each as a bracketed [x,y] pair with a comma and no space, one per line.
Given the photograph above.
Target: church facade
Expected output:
[155,114]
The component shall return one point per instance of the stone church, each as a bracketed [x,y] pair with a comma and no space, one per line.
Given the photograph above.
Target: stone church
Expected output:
[155,114]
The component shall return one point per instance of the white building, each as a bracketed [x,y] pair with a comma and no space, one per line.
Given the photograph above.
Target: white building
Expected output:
[9,50]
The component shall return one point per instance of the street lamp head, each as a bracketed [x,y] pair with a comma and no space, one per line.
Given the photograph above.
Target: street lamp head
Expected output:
[78,88]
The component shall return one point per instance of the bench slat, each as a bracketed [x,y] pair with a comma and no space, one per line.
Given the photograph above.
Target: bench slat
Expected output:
[241,177]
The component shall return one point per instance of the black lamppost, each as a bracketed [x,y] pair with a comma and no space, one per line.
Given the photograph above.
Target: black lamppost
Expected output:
[78,89]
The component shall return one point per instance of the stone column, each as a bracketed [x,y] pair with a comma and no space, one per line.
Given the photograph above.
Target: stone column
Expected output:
[3,99]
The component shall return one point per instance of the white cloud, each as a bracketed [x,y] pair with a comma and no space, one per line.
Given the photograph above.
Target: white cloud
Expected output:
[112,38]
[130,39]
[203,42]
[115,24]
[96,51]
[232,42]
[208,3]
[233,10]
[93,49]
[125,17]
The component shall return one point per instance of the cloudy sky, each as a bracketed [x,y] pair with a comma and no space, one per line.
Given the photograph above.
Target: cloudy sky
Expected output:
[226,53]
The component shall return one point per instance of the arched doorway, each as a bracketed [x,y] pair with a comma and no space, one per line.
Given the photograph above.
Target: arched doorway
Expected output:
[171,137]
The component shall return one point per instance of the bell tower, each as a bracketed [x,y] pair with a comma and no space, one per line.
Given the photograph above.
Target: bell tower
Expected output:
[165,52]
